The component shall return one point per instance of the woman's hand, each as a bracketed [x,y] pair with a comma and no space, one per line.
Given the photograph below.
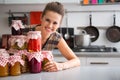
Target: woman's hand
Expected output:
[52,66]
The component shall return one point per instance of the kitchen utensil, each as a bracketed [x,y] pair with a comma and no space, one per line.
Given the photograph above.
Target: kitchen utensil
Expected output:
[92,30]
[113,32]
[61,32]
[67,32]
[24,19]
[82,40]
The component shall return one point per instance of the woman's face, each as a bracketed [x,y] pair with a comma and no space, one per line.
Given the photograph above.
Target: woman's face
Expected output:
[50,22]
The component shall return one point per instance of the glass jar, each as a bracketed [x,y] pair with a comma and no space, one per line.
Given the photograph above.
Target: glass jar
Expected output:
[34,42]
[35,66]
[15,62]
[47,56]
[17,27]
[35,60]
[18,42]
[15,69]
[25,68]
[4,68]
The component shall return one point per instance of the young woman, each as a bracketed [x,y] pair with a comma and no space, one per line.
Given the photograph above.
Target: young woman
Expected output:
[51,20]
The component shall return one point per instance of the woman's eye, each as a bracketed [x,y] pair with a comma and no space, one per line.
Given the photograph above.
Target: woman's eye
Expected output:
[47,20]
[54,22]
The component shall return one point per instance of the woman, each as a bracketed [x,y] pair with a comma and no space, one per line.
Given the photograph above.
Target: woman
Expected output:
[51,19]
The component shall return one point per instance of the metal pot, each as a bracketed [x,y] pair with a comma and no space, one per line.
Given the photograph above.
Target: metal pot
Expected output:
[82,40]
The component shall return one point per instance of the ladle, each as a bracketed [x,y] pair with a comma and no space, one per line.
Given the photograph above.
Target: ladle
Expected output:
[67,36]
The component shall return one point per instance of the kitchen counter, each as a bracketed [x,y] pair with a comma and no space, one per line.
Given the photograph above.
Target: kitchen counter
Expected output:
[77,73]
[56,53]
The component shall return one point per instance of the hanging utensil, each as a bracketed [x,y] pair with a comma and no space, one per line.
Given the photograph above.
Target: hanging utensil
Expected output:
[61,32]
[92,30]
[113,32]
[67,36]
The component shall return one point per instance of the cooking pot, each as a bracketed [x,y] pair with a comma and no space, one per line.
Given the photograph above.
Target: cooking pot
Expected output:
[82,40]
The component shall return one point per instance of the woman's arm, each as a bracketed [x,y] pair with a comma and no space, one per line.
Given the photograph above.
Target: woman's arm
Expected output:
[73,60]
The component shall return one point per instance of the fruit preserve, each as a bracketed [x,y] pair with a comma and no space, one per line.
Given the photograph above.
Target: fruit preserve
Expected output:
[17,27]
[47,56]
[4,69]
[15,62]
[35,60]
[18,42]
[34,43]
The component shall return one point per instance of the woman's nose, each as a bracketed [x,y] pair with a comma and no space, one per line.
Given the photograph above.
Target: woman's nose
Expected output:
[50,25]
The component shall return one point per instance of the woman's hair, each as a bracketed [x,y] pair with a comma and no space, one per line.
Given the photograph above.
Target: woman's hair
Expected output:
[55,7]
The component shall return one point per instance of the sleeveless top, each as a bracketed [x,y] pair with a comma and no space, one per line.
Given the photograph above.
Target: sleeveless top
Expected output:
[52,41]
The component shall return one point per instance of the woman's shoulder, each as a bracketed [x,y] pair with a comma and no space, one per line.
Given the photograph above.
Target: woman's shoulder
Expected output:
[56,34]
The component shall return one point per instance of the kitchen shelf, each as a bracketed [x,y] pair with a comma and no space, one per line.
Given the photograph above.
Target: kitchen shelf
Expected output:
[99,27]
[109,3]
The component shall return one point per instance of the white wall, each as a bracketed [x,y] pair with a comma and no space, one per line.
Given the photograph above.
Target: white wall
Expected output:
[75,18]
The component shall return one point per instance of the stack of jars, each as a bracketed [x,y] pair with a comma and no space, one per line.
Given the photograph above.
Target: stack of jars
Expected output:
[18,46]
[34,49]
[9,65]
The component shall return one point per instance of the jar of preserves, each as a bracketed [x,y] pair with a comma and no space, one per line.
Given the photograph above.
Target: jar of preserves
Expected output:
[18,42]
[35,60]
[4,68]
[47,56]
[15,62]
[17,27]
[34,42]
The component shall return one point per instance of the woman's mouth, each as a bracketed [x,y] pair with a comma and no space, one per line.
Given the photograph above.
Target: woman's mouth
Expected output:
[48,29]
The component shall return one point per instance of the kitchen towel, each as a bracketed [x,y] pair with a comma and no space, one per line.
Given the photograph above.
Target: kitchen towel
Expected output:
[35,17]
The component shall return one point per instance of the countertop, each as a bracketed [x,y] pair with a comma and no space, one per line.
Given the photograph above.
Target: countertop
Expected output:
[57,53]
[77,73]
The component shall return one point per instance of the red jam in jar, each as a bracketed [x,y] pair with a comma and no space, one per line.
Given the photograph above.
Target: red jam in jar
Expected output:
[35,62]
[35,66]
[34,43]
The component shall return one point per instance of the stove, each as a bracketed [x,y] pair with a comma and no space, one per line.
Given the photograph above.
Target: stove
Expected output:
[94,49]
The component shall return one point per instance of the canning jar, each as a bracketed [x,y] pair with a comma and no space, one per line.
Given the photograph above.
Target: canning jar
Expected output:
[47,56]
[4,68]
[34,41]
[18,42]
[17,27]
[35,60]
[15,62]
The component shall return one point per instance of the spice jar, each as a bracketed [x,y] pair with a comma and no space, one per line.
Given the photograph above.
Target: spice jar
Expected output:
[35,60]
[34,42]
[47,56]
[17,27]
[18,42]
[15,62]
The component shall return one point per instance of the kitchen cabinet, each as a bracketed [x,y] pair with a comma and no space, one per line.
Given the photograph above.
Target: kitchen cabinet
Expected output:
[102,61]
[38,1]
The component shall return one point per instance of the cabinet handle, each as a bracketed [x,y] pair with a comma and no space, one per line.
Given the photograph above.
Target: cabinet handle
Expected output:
[99,63]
